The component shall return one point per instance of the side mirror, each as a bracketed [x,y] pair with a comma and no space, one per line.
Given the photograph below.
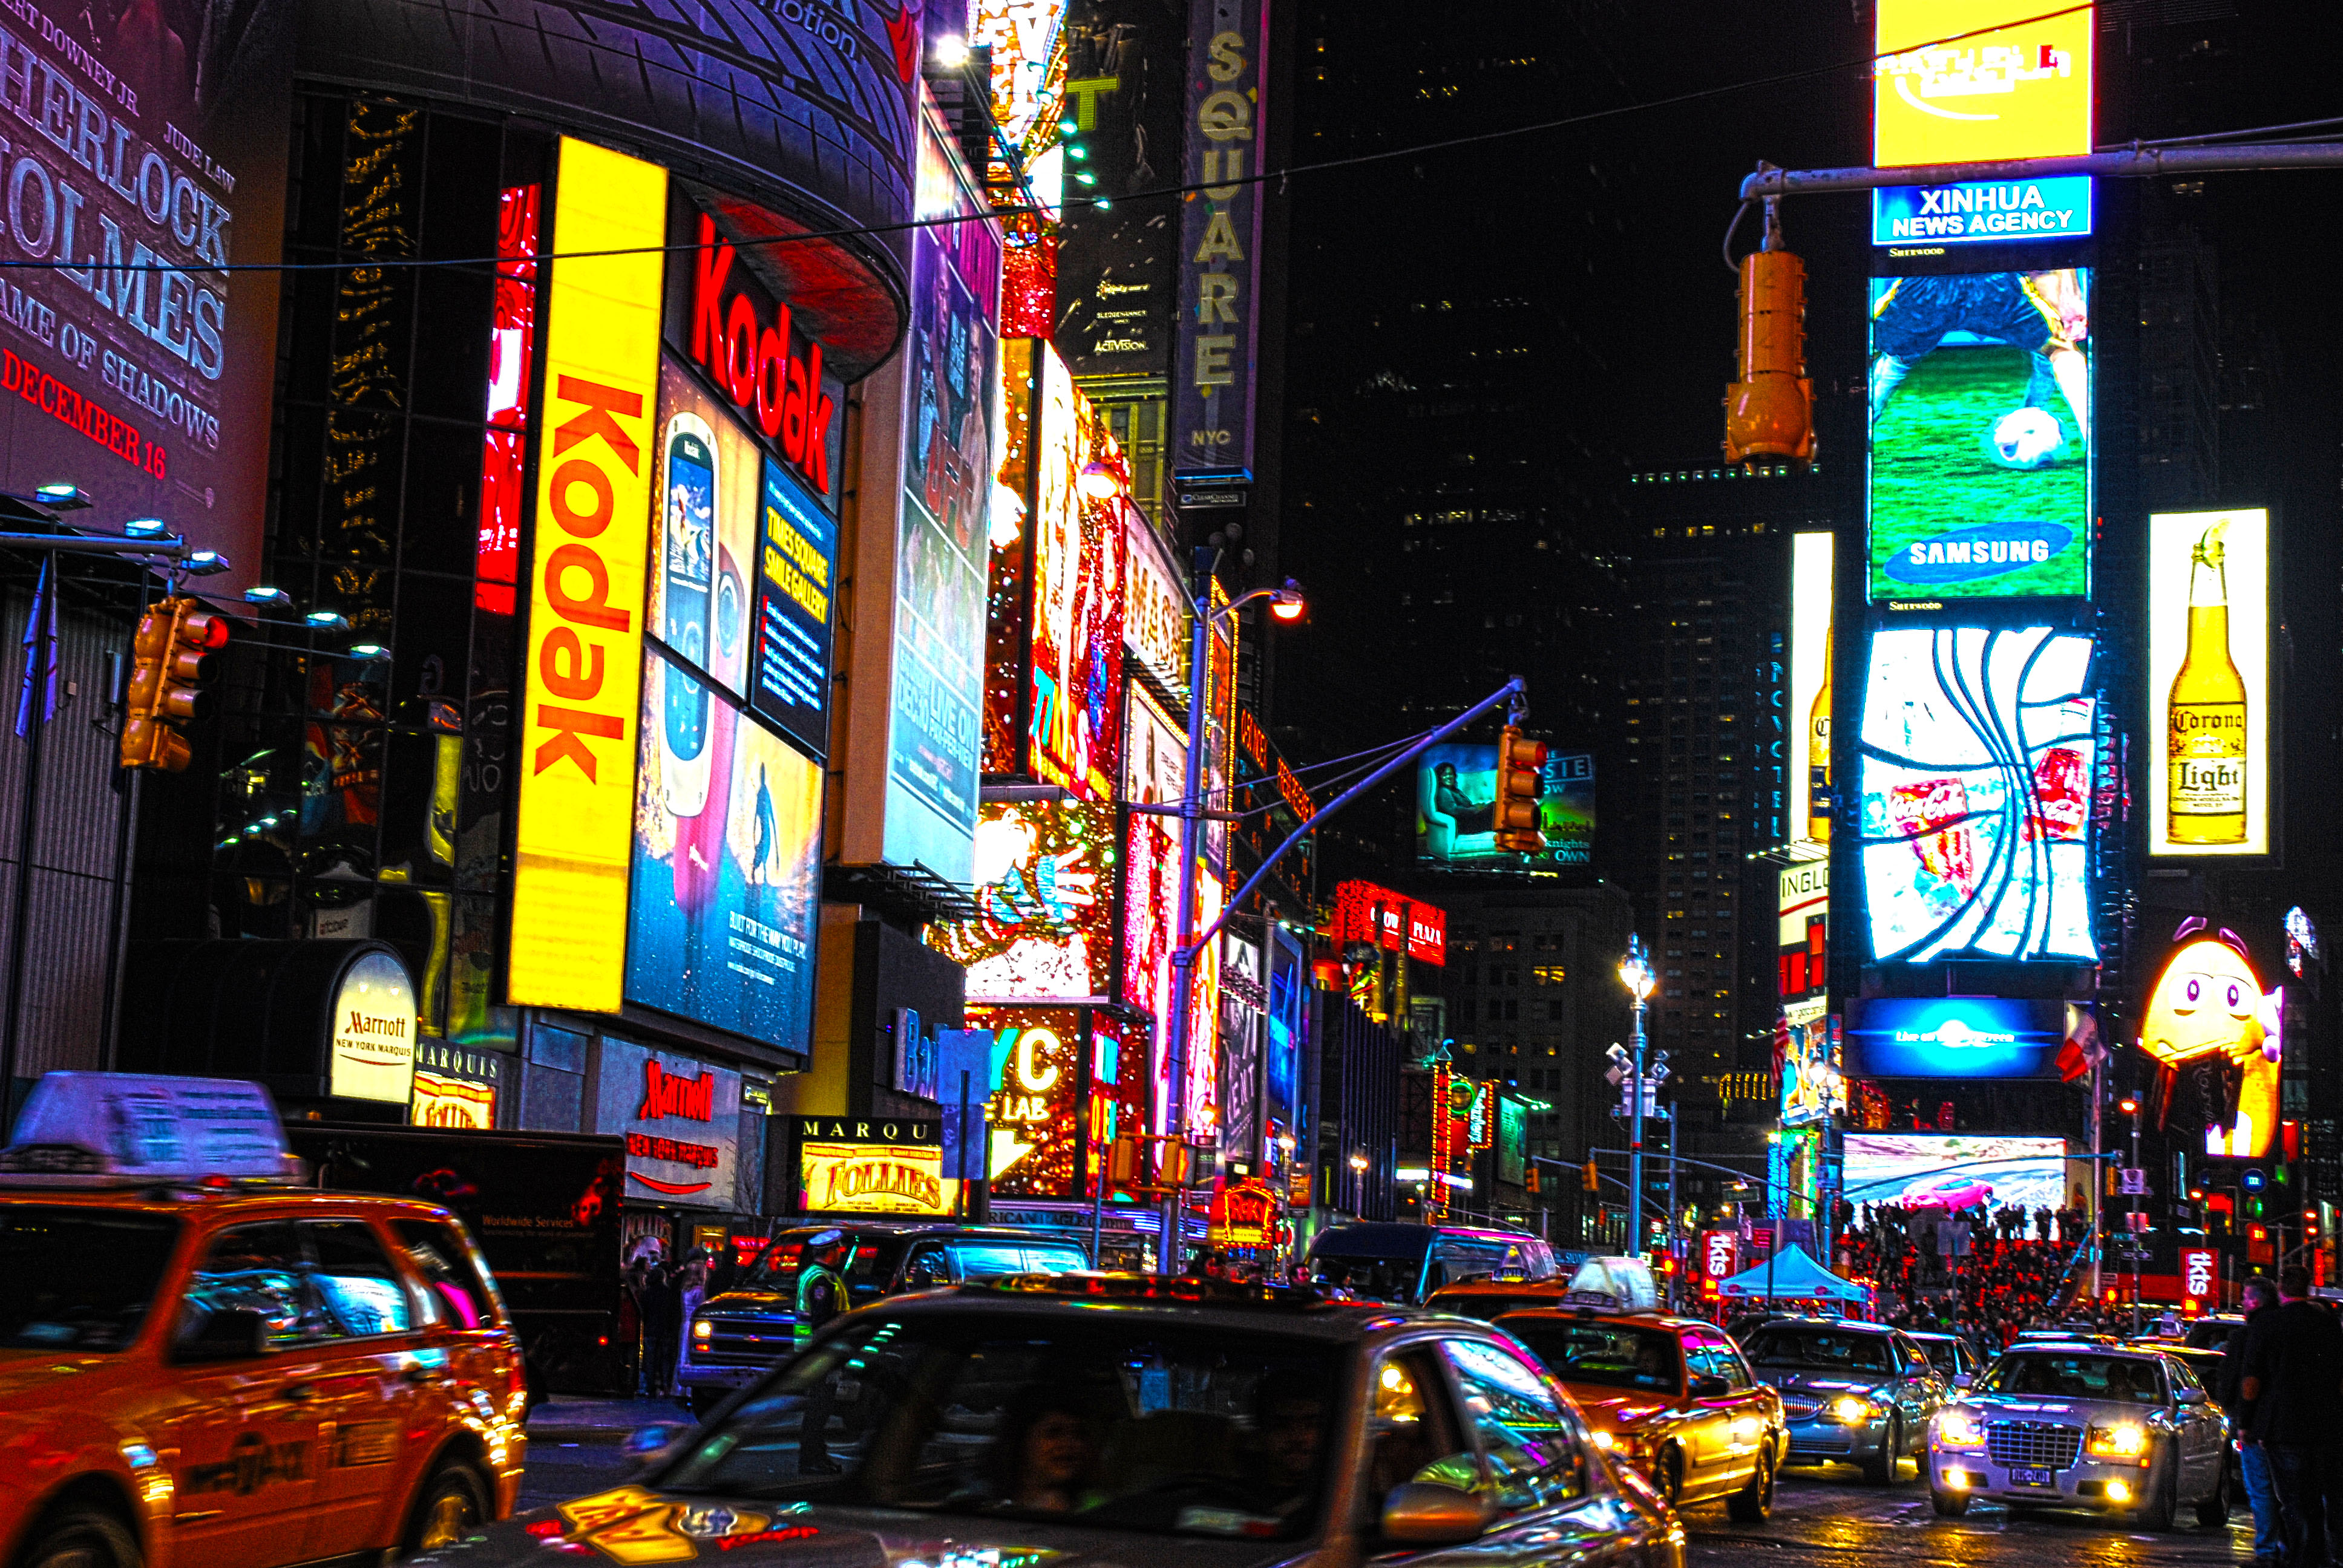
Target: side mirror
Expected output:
[1962,1380]
[1426,1513]
[920,1277]
[2190,1396]
[1708,1385]
[232,1335]
[646,1446]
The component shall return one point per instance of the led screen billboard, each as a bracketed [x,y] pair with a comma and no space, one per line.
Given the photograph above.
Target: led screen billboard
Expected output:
[2218,1039]
[936,719]
[1044,928]
[1809,693]
[1954,1037]
[1982,212]
[2208,683]
[1455,803]
[1953,1171]
[1980,407]
[1974,794]
[1960,81]
[1076,646]
[1803,934]
[586,581]
[728,866]
[1036,1082]
[1814,1086]
[853,1166]
[149,158]
[797,562]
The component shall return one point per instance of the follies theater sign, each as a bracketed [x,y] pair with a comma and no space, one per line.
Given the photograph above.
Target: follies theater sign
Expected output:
[864,1165]
[681,1121]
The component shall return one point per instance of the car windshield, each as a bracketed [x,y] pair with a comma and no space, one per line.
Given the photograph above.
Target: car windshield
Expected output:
[1821,1350]
[1118,1421]
[1375,1279]
[2212,1333]
[78,1279]
[997,1260]
[1940,1353]
[1611,1354]
[1488,1305]
[2125,1379]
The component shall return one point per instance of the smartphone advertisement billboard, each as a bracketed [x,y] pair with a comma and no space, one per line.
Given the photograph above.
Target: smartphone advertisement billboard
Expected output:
[1980,409]
[727,867]
[1975,793]
[1455,812]
[1963,80]
[2208,683]
[703,529]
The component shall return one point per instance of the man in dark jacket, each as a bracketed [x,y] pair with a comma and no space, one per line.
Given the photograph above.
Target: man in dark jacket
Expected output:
[2270,1538]
[2293,1379]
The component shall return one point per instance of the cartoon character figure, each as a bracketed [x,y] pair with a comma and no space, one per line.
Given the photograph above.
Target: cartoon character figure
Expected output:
[2216,1038]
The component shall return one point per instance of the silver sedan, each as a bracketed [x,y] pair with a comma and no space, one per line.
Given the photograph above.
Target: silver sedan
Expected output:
[2083,1426]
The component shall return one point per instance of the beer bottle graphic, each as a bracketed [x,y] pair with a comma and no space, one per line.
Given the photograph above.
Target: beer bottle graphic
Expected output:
[2206,713]
[1818,751]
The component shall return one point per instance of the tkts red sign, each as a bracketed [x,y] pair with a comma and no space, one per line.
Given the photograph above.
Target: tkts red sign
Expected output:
[741,338]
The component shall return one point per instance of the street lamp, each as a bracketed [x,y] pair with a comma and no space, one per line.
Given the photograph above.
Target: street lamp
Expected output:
[2129,1106]
[1192,819]
[1635,974]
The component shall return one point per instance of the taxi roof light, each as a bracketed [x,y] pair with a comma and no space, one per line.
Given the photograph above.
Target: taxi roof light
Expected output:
[206,1134]
[1105,1285]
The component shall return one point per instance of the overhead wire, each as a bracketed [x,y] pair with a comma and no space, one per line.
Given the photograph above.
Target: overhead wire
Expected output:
[1322,166]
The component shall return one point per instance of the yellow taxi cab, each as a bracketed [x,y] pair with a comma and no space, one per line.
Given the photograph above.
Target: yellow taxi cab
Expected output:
[204,1365]
[1672,1396]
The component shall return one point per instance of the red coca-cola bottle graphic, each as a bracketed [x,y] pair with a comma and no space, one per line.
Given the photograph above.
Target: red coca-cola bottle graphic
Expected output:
[2060,801]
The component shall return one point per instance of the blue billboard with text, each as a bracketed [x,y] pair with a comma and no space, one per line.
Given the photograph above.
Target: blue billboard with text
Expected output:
[1979,212]
[1954,1037]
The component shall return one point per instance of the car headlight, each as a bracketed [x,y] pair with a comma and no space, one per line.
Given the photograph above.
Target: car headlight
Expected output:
[1851,1408]
[1960,1429]
[1604,1440]
[701,1328]
[2124,1440]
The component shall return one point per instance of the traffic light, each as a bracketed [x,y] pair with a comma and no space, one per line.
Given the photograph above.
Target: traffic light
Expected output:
[1516,812]
[1769,412]
[1531,1181]
[166,679]
[1589,1179]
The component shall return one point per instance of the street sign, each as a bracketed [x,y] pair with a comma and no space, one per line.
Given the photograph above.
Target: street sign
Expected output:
[2132,1181]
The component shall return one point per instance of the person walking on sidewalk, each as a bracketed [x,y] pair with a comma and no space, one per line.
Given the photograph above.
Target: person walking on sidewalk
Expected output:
[2270,1538]
[2293,1377]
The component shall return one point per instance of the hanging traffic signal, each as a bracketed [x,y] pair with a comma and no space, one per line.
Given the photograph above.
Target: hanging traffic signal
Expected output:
[1515,813]
[1531,1180]
[1590,1179]
[1769,411]
[168,659]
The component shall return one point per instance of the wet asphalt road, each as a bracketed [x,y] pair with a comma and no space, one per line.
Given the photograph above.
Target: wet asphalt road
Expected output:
[1827,1518]
[1823,1518]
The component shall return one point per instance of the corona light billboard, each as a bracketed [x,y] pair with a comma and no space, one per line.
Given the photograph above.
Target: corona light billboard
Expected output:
[1960,81]
[2208,683]
[1809,717]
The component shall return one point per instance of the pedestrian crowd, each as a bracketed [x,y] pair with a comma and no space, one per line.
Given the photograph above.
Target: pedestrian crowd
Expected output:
[661,1296]
[1975,1269]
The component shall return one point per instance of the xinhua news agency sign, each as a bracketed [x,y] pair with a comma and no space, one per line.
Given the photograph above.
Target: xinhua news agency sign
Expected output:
[1998,212]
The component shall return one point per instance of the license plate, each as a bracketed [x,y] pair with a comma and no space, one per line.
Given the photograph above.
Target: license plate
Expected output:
[2034,1477]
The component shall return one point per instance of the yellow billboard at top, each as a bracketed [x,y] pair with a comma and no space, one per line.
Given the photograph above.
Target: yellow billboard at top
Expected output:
[587,573]
[1966,81]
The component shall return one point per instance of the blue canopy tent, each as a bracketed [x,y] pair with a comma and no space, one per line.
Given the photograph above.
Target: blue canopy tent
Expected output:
[1792,1275]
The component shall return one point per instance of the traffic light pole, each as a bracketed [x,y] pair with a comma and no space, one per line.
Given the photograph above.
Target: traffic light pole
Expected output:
[2142,160]
[1184,952]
